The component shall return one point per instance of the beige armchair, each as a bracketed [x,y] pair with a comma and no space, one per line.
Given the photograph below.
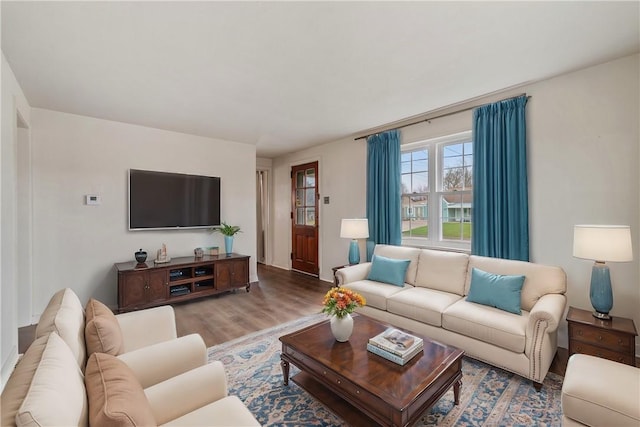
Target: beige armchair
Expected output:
[136,337]
[158,378]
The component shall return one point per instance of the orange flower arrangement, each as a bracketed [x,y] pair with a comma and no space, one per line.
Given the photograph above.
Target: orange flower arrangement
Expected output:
[341,301]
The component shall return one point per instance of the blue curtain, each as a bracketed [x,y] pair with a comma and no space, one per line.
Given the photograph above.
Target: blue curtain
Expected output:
[383,189]
[500,195]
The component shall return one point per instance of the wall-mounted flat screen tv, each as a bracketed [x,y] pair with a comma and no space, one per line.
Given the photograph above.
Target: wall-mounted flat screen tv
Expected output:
[163,200]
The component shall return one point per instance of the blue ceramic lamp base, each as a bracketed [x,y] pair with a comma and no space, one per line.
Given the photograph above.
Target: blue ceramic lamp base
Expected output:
[354,252]
[600,292]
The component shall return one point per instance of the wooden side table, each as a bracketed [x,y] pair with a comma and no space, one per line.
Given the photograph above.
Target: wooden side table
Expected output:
[335,278]
[610,339]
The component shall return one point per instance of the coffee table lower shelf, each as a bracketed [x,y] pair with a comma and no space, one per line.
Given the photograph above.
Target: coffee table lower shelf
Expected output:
[349,413]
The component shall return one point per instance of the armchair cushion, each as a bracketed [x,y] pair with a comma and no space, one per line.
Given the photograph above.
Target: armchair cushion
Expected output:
[116,398]
[146,327]
[65,315]
[56,395]
[20,380]
[102,331]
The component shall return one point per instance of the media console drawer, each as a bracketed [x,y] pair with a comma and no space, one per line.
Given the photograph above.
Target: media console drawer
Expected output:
[148,285]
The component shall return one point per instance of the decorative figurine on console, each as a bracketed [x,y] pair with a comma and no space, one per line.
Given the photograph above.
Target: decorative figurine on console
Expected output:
[162,257]
[198,253]
[141,257]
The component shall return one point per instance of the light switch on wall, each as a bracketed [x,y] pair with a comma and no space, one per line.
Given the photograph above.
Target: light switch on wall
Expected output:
[326,200]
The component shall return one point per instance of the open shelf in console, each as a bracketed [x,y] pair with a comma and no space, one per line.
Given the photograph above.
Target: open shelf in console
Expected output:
[203,285]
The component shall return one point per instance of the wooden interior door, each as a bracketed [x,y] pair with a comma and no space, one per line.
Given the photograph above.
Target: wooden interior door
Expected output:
[304,218]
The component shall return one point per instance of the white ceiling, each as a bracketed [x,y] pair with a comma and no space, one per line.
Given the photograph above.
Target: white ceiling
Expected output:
[288,75]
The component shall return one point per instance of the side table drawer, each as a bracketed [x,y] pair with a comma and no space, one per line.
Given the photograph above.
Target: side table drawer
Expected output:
[583,348]
[598,337]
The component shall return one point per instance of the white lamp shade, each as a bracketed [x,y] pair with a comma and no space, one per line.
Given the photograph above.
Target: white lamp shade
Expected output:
[354,228]
[602,242]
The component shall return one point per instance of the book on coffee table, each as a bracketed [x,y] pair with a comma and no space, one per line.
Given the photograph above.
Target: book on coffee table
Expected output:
[400,360]
[397,342]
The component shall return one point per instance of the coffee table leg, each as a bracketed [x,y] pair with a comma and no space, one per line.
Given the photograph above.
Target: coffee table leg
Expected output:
[285,370]
[456,392]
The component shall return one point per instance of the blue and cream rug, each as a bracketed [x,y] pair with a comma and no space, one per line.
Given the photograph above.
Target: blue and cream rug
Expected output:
[489,395]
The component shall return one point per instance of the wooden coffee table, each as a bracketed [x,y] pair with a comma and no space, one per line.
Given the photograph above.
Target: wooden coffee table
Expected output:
[345,375]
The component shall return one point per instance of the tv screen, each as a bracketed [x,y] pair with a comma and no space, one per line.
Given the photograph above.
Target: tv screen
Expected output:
[163,200]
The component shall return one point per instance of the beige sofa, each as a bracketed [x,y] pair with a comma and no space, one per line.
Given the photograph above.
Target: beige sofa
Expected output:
[433,302]
[138,372]
[600,393]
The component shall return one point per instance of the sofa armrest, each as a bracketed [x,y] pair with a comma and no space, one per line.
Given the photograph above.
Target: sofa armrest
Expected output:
[167,359]
[353,273]
[187,392]
[548,308]
[146,327]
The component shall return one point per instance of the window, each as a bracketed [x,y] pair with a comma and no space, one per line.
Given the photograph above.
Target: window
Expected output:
[441,171]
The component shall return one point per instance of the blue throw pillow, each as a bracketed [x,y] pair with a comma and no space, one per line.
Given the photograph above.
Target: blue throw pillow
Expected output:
[496,290]
[388,270]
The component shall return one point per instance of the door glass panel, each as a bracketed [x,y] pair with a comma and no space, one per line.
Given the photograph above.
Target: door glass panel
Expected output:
[300,216]
[299,198]
[311,216]
[311,178]
[311,197]
[299,179]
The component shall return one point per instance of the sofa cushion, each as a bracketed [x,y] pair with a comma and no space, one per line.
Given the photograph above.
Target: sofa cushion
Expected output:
[442,271]
[376,293]
[539,279]
[600,392]
[65,316]
[401,252]
[56,395]
[388,270]
[421,304]
[488,324]
[102,332]
[496,290]
[20,380]
[116,398]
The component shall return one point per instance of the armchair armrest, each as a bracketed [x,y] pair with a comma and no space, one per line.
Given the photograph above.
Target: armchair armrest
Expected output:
[146,327]
[167,359]
[187,392]
[353,273]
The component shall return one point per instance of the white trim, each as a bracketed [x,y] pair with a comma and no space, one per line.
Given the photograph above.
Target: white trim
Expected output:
[454,137]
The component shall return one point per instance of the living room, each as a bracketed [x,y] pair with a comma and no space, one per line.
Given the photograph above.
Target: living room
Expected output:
[583,156]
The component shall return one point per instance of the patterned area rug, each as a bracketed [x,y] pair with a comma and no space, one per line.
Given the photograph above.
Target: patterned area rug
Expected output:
[490,396]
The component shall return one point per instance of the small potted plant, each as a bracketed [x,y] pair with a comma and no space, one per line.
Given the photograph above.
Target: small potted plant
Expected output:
[228,231]
[339,303]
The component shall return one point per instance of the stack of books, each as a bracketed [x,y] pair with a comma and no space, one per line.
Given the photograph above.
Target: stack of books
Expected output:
[395,345]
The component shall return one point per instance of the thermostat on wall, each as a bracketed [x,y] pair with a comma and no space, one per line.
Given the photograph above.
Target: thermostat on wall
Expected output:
[92,199]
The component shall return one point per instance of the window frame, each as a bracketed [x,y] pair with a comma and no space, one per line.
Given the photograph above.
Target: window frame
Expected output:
[435,149]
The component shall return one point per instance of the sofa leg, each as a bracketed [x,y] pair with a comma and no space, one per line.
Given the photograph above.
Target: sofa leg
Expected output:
[537,386]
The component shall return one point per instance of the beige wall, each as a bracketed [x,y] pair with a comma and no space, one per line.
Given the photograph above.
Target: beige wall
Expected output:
[583,153]
[14,105]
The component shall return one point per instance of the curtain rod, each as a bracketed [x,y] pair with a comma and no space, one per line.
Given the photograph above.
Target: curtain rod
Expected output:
[443,115]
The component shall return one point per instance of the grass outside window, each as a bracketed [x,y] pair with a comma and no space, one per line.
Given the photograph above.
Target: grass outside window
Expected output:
[450,231]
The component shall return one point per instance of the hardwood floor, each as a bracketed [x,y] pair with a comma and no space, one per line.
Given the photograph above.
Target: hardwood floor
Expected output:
[279,297]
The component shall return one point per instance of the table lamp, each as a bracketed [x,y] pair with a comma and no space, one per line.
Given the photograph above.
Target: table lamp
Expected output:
[602,243]
[354,229]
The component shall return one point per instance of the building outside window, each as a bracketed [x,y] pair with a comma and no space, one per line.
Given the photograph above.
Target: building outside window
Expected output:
[437,200]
